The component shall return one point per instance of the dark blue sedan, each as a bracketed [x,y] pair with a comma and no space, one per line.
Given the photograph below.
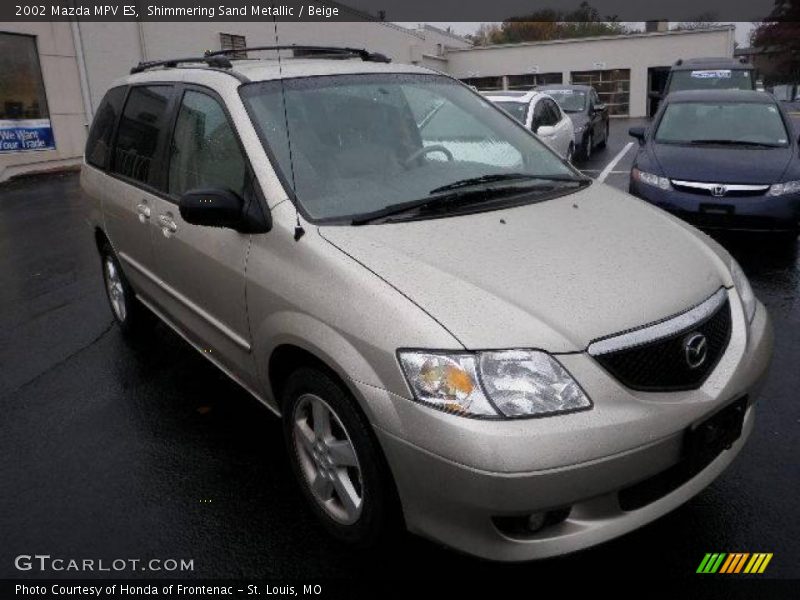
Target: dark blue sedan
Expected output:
[721,159]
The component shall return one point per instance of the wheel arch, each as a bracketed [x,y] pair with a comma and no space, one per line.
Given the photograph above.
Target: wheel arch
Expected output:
[288,340]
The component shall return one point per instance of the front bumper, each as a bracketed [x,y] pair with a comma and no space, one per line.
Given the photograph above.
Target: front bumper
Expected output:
[454,475]
[752,213]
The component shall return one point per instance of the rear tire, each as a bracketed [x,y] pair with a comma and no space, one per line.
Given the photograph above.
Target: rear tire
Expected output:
[337,461]
[128,312]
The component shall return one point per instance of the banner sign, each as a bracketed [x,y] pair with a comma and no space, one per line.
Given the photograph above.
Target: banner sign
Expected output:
[26,135]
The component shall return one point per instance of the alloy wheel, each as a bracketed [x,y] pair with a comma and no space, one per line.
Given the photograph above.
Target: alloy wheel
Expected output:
[114,288]
[327,459]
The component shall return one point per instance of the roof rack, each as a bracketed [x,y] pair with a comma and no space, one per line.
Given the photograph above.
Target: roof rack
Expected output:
[313,51]
[218,62]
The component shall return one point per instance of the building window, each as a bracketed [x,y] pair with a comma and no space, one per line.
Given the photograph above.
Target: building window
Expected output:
[237,43]
[485,83]
[531,80]
[613,86]
[24,118]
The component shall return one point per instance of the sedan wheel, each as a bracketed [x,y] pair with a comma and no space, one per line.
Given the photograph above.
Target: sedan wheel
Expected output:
[570,153]
[587,154]
[327,459]
[604,143]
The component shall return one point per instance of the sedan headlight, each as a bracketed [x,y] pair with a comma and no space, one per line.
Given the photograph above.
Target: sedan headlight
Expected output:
[781,189]
[650,179]
[579,128]
[497,384]
[742,286]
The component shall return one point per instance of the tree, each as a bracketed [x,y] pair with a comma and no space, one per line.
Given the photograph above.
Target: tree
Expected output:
[548,24]
[778,41]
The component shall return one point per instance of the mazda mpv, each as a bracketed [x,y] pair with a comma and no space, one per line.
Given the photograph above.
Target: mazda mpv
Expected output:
[462,335]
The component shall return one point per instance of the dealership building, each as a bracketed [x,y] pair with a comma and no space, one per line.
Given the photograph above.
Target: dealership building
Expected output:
[54,74]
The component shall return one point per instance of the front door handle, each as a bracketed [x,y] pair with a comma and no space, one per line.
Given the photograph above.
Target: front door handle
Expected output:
[168,226]
[144,212]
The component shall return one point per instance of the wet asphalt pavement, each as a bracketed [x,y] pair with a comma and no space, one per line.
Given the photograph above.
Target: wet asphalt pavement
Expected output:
[115,450]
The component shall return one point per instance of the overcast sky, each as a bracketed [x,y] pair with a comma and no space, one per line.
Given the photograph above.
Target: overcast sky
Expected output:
[742,29]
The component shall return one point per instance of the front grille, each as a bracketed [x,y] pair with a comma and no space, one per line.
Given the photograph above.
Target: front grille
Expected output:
[734,193]
[662,364]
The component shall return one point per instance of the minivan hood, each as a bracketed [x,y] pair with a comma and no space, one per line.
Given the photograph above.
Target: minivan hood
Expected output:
[715,164]
[553,275]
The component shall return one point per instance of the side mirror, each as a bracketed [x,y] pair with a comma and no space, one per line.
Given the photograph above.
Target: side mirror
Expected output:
[638,133]
[546,131]
[599,107]
[213,207]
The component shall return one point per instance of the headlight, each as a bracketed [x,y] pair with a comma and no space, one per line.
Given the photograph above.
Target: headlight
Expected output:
[579,128]
[650,179]
[742,286]
[498,384]
[780,189]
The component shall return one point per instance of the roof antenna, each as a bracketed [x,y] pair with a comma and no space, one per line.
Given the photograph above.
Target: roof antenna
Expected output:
[298,228]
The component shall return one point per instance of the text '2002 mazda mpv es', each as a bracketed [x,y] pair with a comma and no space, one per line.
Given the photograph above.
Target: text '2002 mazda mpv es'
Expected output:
[462,333]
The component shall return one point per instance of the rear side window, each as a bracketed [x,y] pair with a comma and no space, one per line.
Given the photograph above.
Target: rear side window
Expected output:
[204,152]
[98,146]
[142,121]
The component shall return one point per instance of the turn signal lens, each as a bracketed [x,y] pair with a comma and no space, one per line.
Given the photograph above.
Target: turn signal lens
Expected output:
[446,381]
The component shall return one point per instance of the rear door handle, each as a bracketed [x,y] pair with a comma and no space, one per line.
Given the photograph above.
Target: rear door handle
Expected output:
[168,226]
[144,212]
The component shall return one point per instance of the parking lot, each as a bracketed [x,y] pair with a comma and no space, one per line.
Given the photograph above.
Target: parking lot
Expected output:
[146,450]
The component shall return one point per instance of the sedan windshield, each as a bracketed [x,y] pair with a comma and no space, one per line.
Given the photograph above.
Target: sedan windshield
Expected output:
[712,79]
[518,110]
[744,123]
[570,101]
[353,145]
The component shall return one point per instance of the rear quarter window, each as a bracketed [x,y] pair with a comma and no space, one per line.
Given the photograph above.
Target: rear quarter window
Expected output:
[98,144]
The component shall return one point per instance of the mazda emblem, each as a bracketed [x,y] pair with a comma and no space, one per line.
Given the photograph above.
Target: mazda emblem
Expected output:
[695,348]
[719,190]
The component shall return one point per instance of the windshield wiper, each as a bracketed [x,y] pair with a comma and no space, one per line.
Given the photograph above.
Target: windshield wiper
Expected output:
[472,181]
[734,143]
[457,197]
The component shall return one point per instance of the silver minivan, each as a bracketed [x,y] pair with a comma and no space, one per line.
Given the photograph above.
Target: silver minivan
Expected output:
[462,334]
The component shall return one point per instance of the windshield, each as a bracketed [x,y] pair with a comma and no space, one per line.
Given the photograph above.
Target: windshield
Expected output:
[736,122]
[712,79]
[518,110]
[570,101]
[360,143]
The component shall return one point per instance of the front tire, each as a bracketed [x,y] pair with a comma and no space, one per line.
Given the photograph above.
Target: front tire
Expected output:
[336,460]
[587,151]
[570,153]
[604,143]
